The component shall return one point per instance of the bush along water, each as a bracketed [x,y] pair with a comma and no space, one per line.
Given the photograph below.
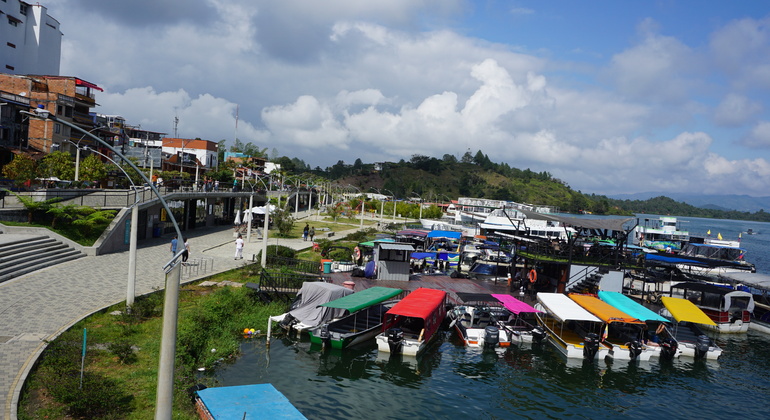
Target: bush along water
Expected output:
[120,376]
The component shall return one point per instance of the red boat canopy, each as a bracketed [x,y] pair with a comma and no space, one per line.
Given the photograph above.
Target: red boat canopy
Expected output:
[421,303]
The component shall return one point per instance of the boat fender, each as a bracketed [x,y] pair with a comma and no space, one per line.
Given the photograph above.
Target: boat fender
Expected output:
[532,275]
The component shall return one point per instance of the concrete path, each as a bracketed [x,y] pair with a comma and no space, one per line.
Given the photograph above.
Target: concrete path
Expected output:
[39,306]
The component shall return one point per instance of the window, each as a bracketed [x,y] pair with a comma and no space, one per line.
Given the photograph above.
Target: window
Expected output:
[23,9]
[10,45]
[12,22]
[10,67]
[57,128]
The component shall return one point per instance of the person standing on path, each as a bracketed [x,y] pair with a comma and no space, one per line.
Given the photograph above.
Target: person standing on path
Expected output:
[305,232]
[186,252]
[174,243]
[239,247]
[311,233]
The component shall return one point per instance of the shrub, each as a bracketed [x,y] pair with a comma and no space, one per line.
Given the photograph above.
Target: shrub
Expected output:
[281,251]
[124,351]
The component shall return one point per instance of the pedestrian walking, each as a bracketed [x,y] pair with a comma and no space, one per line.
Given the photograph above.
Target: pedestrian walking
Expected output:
[305,232]
[174,243]
[311,233]
[186,252]
[239,247]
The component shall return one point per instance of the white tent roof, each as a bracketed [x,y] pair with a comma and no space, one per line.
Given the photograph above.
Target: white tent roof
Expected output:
[564,309]
[261,209]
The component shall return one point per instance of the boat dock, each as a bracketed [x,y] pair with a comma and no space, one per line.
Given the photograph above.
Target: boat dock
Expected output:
[261,401]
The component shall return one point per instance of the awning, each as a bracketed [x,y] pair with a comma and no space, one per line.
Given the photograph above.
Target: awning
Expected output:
[363,299]
[419,304]
[564,309]
[756,280]
[395,246]
[615,224]
[451,234]
[514,305]
[81,82]
[630,306]
[684,310]
[604,310]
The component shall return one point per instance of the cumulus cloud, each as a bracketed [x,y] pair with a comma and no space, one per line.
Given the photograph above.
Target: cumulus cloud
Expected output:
[759,137]
[338,81]
[736,110]
[655,69]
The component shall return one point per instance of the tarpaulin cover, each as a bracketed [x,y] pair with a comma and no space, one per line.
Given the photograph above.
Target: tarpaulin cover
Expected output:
[603,310]
[419,304]
[514,305]
[260,401]
[563,308]
[684,310]
[445,234]
[363,299]
[313,294]
[630,306]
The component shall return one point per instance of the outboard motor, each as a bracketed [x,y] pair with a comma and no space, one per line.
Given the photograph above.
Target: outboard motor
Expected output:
[590,346]
[538,334]
[668,349]
[326,338]
[395,340]
[702,346]
[634,349]
[491,336]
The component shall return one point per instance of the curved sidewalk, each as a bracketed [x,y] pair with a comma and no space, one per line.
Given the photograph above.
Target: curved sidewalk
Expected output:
[39,306]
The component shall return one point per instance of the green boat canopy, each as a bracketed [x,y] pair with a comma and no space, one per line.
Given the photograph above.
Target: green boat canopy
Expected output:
[363,299]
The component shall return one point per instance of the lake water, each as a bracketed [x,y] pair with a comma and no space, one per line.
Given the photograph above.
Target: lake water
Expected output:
[532,381]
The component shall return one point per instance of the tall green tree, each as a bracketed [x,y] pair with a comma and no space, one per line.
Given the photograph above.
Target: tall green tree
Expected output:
[21,169]
[92,169]
[57,164]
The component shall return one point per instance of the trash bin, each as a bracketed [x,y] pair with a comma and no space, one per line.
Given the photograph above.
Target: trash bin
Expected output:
[156,230]
[327,267]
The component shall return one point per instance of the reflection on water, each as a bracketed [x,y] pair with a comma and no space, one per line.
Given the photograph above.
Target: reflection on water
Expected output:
[531,381]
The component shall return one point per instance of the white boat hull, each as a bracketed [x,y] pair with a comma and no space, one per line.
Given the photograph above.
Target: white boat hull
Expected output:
[570,346]
[410,346]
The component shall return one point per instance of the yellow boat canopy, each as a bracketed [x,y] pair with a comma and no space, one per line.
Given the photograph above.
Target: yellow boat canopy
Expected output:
[684,310]
[603,310]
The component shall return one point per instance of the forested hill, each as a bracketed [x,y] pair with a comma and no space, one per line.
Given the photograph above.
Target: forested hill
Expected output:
[437,180]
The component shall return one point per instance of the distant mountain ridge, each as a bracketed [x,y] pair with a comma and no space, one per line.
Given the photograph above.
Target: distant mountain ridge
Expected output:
[744,203]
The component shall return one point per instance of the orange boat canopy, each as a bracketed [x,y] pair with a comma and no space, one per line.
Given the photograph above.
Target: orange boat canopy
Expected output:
[603,310]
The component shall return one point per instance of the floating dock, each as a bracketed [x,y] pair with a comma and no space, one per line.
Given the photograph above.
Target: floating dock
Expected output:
[260,401]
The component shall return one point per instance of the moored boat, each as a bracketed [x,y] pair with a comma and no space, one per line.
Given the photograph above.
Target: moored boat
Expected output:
[687,317]
[574,331]
[492,320]
[305,311]
[623,333]
[365,312]
[662,234]
[729,309]
[412,323]
[657,335]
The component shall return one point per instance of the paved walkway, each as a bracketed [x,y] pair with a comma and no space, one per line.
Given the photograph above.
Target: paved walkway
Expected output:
[39,306]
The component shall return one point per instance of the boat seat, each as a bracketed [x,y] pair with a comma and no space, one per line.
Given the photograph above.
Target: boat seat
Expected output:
[483,320]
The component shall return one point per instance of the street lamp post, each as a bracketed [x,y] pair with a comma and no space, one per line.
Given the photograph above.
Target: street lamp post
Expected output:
[165,392]
[77,153]
[420,197]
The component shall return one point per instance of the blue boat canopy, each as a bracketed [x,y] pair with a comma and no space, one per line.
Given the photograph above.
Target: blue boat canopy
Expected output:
[629,306]
[451,234]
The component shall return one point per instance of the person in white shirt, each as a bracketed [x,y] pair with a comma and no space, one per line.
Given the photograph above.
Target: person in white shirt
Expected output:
[239,248]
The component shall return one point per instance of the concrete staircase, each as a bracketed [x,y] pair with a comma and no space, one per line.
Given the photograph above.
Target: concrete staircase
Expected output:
[19,256]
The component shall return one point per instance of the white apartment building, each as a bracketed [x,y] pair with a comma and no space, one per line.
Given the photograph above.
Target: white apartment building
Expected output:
[30,40]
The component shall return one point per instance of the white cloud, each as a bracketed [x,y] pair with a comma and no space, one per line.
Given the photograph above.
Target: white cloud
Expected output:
[759,137]
[742,50]
[736,110]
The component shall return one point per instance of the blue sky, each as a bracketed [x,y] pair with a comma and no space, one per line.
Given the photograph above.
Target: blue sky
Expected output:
[609,96]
